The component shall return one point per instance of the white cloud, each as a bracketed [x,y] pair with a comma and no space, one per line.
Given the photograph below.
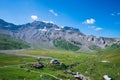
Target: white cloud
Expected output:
[53,12]
[118,14]
[89,21]
[49,22]
[34,17]
[112,14]
[98,29]
[115,14]
[95,28]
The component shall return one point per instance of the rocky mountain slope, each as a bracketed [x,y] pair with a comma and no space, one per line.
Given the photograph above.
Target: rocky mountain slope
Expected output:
[47,35]
[9,43]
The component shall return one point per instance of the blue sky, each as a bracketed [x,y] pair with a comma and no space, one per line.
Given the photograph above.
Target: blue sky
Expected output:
[92,17]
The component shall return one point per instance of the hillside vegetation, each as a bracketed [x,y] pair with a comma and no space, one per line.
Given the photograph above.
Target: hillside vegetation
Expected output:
[7,42]
[63,44]
[113,47]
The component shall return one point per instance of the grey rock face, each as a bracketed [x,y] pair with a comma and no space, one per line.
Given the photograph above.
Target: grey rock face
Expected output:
[41,34]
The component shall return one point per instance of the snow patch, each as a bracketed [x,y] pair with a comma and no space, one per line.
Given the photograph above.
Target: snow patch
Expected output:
[57,29]
[44,29]
[49,22]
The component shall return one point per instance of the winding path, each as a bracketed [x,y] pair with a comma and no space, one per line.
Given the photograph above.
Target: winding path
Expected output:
[15,52]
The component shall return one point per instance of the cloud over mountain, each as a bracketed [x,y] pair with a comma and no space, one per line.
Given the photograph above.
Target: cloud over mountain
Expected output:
[89,21]
[34,17]
[53,12]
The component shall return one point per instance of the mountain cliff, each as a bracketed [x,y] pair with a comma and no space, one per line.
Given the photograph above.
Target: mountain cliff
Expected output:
[48,35]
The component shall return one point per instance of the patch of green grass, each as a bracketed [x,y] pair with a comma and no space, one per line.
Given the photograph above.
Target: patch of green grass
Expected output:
[7,59]
[112,47]
[7,42]
[63,44]
[17,74]
[112,56]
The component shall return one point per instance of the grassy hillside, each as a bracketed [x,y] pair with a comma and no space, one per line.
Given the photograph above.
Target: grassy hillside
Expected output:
[95,48]
[7,42]
[113,56]
[63,44]
[113,47]
[112,66]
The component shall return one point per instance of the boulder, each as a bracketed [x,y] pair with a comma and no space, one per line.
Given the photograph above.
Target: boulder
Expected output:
[54,61]
[38,66]
[63,65]
[80,76]
[106,77]
[69,72]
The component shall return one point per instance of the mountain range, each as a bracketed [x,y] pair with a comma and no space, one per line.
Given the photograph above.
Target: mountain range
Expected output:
[51,36]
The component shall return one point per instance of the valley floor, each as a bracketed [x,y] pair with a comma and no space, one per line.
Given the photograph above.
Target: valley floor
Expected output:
[15,65]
